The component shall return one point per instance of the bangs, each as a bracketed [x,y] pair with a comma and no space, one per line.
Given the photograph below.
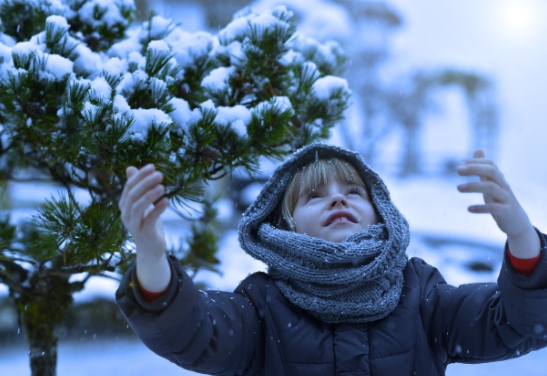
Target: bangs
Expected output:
[317,174]
[311,177]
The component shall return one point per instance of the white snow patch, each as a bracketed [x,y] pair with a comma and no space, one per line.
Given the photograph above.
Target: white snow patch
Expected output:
[208,105]
[24,48]
[282,103]
[158,28]
[115,66]
[217,79]
[187,47]
[59,66]
[5,54]
[182,115]
[237,56]
[125,47]
[101,89]
[7,40]
[291,57]
[158,45]
[110,17]
[238,117]
[234,30]
[323,19]
[87,61]
[57,22]
[137,58]
[126,84]
[120,103]
[144,119]
[325,87]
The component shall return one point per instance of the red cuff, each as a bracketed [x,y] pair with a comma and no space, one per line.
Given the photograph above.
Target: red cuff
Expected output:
[149,296]
[523,266]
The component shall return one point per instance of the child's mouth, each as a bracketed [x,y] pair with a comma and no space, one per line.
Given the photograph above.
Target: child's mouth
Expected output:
[341,218]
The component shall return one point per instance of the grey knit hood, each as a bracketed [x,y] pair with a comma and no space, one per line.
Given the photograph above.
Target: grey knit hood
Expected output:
[357,280]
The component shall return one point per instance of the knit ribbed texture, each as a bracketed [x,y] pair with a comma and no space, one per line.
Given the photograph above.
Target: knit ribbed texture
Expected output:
[355,281]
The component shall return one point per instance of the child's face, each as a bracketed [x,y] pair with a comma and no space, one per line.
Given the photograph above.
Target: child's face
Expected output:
[334,211]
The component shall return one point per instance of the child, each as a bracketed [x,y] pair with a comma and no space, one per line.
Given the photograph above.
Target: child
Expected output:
[340,296]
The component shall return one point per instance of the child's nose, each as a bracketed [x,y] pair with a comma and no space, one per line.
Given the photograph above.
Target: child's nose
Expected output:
[338,199]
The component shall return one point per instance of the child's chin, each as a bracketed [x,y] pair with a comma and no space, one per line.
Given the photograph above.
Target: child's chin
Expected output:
[339,236]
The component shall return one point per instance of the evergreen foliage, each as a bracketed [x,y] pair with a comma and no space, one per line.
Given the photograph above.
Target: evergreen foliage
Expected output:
[84,94]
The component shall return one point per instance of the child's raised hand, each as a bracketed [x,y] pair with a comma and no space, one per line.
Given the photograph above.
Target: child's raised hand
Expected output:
[500,202]
[139,214]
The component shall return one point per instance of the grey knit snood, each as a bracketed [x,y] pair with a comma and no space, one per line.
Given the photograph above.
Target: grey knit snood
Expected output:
[357,280]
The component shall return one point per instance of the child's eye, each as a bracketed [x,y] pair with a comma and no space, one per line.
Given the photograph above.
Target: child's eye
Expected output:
[313,195]
[355,190]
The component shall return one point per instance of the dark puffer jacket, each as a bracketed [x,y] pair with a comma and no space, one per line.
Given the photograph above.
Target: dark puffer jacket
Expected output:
[256,331]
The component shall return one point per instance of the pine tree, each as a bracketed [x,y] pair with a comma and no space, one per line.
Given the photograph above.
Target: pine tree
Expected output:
[85,93]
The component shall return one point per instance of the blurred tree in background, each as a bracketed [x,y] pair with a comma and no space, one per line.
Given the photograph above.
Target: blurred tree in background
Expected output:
[85,93]
[402,101]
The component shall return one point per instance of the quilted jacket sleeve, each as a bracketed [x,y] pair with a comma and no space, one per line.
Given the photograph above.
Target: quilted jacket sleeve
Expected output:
[482,322]
[209,332]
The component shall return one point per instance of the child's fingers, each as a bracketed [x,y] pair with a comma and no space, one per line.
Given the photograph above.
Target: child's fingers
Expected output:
[485,171]
[479,154]
[472,161]
[145,184]
[491,190]
[159,207]
[132,179]
[134,176]
[488,208]
[138,182]
[478,157]
[130,171]
[137,212]
[134,200]
[139,207]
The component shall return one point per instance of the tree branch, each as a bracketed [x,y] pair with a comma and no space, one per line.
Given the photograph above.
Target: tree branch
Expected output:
[180,214]
[13,285]
[63,272]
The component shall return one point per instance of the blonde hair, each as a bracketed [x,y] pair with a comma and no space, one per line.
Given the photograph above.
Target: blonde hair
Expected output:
[309,178]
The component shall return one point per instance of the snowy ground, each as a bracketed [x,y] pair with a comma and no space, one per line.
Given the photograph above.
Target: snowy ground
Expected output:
[124,357]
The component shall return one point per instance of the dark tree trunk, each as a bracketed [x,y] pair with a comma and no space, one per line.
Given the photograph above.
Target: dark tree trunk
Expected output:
[43,352]
[41,309]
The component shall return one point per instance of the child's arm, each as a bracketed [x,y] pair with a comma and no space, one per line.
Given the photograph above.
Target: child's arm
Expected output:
[501,203]
[210,332]
[141,218]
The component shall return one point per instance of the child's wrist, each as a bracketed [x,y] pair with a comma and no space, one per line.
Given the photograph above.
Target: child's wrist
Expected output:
[149,296]
[525,245]
[153,275]
[523,266]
